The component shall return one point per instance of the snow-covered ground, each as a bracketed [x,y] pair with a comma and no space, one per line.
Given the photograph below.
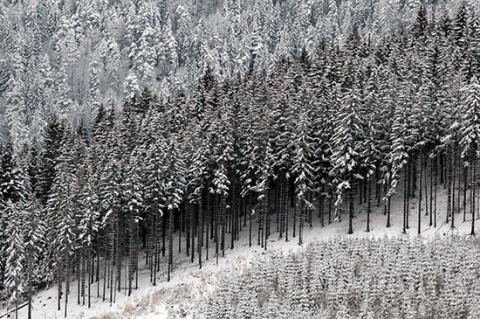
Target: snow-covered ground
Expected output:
[189,283]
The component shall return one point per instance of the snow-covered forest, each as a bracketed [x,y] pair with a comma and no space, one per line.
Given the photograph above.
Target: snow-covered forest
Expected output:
[354,278]
[129,125]
[68,57]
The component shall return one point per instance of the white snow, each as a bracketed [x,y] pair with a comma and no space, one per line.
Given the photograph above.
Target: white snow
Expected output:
[189,283]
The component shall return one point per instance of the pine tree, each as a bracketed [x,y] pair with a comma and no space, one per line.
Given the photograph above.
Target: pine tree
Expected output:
[174,189]
[16,256]
[346,150]
[469,133]
[61,217]
[302,169]
[48,159]
[34,230]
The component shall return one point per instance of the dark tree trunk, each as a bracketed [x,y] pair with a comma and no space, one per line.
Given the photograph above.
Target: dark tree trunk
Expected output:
[465,187]
[260,219]
[420,179]
[321,208]
[474,185]
[442,169]
[409,193]
[432,172]
[266,214]
[369,201]
[223,224]
[330,209]
[351,205]
[294,221]
[207,224]
[449,186]
[235,214]
[200,232]
[170,244]
[301,221]
[249,212]
[405,201]
[435,194]
[283,205]
[452,172]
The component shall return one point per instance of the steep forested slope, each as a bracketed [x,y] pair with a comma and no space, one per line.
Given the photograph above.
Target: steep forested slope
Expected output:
[68,57]
[327,133]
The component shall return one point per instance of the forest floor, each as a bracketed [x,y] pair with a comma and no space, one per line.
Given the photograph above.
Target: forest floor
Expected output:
[189,283]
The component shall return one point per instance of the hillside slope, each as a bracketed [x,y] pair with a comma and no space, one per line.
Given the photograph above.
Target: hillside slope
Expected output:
[190,284]
[67,58]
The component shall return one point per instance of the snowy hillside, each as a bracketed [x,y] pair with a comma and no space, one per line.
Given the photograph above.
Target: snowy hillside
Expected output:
[69,57]
[190,288]
[359,135]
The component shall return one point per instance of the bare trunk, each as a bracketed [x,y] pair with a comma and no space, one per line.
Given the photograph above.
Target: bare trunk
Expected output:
[369,201]
[420,178]
[405,201]
[170,244]
[350,210]
[474,184]
[431,192]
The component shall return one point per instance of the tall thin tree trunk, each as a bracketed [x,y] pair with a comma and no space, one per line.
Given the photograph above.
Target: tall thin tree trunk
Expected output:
[321,207]
[442,169]
[413,168]
[207,224]
[351,204]
[170,244]
[83,274]
[360,191]
[449,189]
[67,284]
[285,208]
[250,223]
[29,284]
[378,186]
[409,193]
[119,255]
[110,271]
[191,226]
[164,241]
[200,232]
[79,275]
[188,229]
[235,213]
[387,203]
[465,187]
[425,183]
[310,211]
[59,281]
[301,221]
[90,269]
[454,163]
[435,193]
[266,221]
[223,223]
[294,221]
[474,185]
[431,191]
[181,217]
[105,277]
[420,178]
[369,200]
[281,208]
[330,209]
[405,201]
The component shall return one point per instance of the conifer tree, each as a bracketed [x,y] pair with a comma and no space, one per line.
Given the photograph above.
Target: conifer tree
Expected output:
[469,133]
[346,150]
